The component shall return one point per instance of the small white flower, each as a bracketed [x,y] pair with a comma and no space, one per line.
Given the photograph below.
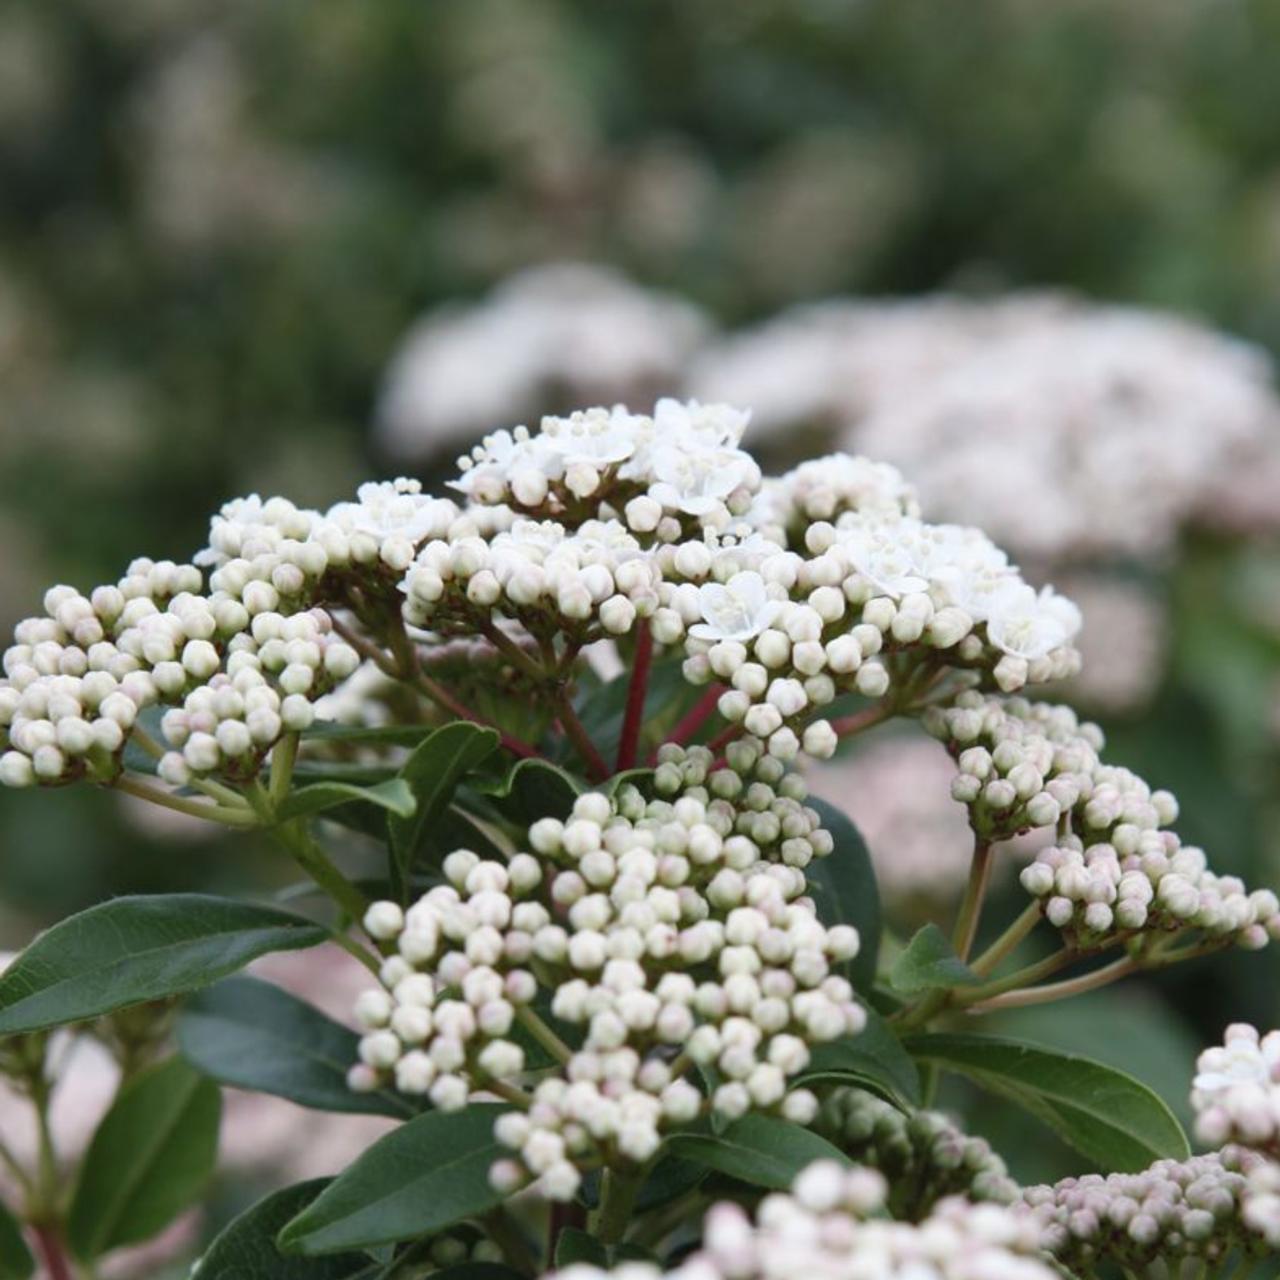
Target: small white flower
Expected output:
[737,610]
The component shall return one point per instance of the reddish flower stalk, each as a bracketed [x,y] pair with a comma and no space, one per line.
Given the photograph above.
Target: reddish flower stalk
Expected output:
[632,721]
[696,717]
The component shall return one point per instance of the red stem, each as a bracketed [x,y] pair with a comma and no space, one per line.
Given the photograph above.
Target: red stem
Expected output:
[724,737]
[701,712]
[49,1246]
[864,719]
[629,743]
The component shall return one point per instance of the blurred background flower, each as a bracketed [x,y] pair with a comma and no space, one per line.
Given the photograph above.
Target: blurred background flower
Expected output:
[1029,252]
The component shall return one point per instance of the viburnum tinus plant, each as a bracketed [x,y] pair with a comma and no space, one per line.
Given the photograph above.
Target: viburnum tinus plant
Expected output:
[627,992]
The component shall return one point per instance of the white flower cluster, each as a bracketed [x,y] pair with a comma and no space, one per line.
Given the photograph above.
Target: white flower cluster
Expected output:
[1065,429]
[570,534]
[1236,1090]
[823,1228]
[674,933]
[1170,1212]
[1115,870]
[924,1156]
[678,468]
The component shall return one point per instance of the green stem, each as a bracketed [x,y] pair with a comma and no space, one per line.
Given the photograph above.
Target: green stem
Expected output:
[618,1193]
[1022,978]
[1008,941]
[1059,990]
[506,1234]
[966,928]
[512,651]
[543,1034]
[283,756]
[14,1165]
[353,948]
[179,804]
[317,864]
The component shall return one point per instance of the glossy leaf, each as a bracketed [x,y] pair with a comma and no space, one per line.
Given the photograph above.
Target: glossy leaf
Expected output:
[761,1150]
[844,888]
[533,789]
[1108,1116]
[421,1177]
[394,795]
[929,963]
[250,1034]
[874,1059]
[575,1246]
[432,773]
[246,1248]
[131,950]
[149,1159]
[16,1262]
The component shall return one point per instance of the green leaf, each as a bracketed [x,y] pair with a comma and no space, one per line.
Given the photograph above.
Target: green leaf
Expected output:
[1106,1115]
[432,773]
[761,1150]
[874,1059]
[251,1035]
[845,890]
[148,1161]
[389,735]
[394,795]
[578,1246]
[131,950]
[426,1175]
[16,1262]
[246,1248]
[533,789]
[929,963]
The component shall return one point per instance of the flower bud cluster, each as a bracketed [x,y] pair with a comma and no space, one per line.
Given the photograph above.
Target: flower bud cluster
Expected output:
[923,1155]
[1170,1212]
[876,600]
[671,934]
[823,1228]
[77,679]
[1115,869]
[1236,1090]
[1261,1210]
[589,583]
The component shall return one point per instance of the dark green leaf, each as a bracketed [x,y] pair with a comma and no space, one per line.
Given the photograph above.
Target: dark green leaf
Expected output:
[669,1178]
[394,795]
[246,1248]
[131,950]
[578,1246]
[1106,1115]
[426,1175]
[533,789]
[16,1262]
[149,1159]
[930,963]
[401,735]
[761,1150]
[845,891]
[874,1059]
[432,773]
[249,1034]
